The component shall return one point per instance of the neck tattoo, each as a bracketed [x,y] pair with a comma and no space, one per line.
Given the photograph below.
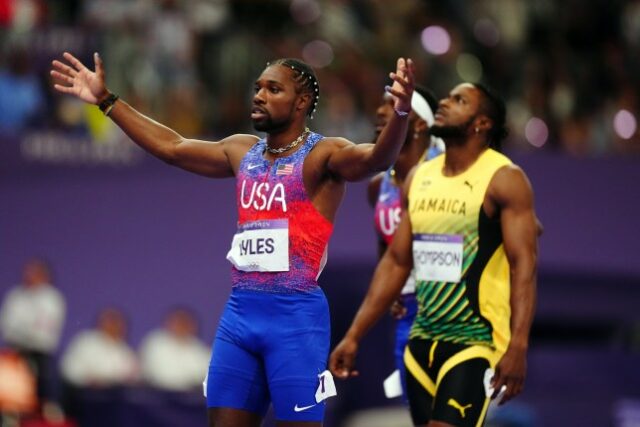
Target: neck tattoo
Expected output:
[291,145]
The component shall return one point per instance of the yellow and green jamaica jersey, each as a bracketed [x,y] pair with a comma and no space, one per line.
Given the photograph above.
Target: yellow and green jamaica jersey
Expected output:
[463,283]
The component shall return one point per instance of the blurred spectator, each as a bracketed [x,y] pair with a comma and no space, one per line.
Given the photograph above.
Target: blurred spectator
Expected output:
[100,361]
[21,95]
[31,319]
[18,385]
[568,69]
[174,358]
[101,357]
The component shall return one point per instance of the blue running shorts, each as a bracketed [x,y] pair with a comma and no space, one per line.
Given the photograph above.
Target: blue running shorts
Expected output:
[403,327]
[271,348]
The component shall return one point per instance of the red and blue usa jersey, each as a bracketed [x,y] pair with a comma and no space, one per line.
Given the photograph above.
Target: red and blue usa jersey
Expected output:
[387,209]
[281,243]
[389,203]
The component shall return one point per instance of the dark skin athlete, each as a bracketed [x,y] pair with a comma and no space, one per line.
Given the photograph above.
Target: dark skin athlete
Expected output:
[278,100]
[413,150]
[509,197]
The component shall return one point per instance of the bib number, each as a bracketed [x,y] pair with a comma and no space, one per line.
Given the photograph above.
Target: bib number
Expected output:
[261,246]
[438,257]
[326,388]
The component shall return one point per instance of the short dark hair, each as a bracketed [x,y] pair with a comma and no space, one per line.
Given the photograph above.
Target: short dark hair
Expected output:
[493,106]
[428,95]
[305,79]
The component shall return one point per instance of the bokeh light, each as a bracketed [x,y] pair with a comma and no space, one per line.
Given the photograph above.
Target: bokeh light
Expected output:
[625,124]
[536,132]
[486,32]
[469,68]
[318,53]
[305,11]
[562,101]
[436,40]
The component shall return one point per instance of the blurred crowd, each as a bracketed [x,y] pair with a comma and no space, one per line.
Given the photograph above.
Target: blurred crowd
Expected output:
[569,70]
[39,386]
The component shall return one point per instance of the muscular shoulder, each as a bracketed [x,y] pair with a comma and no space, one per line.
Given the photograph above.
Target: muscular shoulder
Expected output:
[239,142]
[236,146]
[324,149]
[509,183]
[329,144]
[406,185]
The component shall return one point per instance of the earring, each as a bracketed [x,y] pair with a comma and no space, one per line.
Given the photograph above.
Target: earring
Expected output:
[416,135]
[477,130]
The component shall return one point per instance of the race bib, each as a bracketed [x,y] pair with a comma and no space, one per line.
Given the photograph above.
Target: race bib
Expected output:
[410,285]
[326,388]
[438,257]
[261,246]
[488,388]
[393,385]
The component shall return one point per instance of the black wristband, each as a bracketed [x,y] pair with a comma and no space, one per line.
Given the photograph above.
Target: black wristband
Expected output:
[106,105]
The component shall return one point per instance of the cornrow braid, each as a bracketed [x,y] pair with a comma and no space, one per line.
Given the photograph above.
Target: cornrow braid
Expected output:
[305,78]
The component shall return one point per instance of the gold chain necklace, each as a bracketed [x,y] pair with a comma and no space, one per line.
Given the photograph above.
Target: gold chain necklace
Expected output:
[294,143]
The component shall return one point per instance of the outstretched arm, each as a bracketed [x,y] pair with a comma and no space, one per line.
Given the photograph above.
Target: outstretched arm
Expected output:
[355,162]
[389,278]
[390,275]
[514,196]
[202,157]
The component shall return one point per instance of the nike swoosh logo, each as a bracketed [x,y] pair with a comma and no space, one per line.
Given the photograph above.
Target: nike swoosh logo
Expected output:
[384,197]
[302,408]
[252,167]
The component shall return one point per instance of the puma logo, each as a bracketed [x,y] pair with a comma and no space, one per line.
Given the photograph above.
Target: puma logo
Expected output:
[467,183]
[424,184]
[459,407]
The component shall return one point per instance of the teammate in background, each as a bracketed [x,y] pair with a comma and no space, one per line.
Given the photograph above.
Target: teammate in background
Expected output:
[470,232]
[273,339]
[384,193]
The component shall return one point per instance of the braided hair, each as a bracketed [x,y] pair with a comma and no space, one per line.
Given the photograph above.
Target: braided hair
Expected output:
[305,78]
[494,107]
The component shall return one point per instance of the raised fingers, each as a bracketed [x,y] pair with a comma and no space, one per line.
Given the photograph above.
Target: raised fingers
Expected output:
[62,77]
[64,89]
[396,93]
[400,66]
[74,61]
[410,71]
[99,66]
[405,73]
[401,88]
[64,68]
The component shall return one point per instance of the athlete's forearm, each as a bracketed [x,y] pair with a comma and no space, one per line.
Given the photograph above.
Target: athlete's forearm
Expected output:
[385,287]
[152,136]
[388,145]
[523,301]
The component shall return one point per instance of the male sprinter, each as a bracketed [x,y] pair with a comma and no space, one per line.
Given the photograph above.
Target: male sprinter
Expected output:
[384,193]
[273,339]
[470,233]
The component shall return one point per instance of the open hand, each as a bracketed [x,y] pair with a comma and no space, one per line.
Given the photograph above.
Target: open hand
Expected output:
[80,81]
[403,84]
